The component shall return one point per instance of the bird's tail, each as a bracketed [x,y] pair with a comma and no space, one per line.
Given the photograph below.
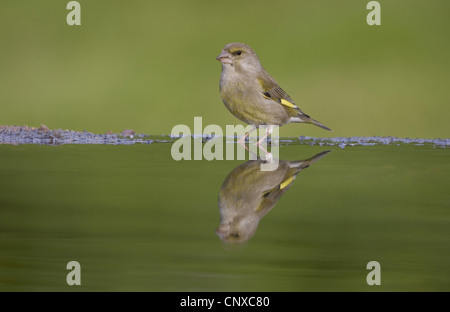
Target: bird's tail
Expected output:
[307,119]
[306,163]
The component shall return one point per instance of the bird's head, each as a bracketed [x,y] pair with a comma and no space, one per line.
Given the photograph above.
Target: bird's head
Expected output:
[240,56]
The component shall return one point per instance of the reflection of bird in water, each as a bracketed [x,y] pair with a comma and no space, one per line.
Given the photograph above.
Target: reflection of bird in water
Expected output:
[248,194]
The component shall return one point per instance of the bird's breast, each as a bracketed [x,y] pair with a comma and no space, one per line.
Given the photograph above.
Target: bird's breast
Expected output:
[243,97]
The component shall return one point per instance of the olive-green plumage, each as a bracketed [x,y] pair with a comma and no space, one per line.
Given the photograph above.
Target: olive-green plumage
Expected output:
[248,194]
[251,94]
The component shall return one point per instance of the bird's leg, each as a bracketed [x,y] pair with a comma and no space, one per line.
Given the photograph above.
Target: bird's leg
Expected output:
[268,155]
[252,154]
[262,146]
[268,132]
[242,140]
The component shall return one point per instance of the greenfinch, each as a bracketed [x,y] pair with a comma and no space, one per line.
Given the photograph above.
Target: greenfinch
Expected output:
[248,194]
[251,94]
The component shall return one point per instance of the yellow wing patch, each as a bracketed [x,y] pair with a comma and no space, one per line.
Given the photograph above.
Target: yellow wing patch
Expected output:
[286,182]
[287,103]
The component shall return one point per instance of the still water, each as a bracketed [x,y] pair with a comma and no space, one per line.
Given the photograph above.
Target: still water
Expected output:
[136,220]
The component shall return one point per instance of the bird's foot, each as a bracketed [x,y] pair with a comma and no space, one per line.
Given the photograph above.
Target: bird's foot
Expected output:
[269,157]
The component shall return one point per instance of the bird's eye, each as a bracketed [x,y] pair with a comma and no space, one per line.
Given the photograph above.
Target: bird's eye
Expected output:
[238,52]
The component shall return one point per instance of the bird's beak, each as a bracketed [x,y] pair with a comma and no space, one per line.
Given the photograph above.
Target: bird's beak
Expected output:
[224,58]
[223,230]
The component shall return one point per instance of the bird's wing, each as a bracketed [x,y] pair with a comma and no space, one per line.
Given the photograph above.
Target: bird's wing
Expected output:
[275,193]
[271,90]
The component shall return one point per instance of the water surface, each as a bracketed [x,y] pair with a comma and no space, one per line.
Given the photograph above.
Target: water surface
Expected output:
[136,220]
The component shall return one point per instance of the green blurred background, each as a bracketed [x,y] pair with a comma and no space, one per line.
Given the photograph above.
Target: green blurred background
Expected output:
[149,65]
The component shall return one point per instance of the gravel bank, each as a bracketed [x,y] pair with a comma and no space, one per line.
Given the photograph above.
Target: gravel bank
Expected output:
[44,136]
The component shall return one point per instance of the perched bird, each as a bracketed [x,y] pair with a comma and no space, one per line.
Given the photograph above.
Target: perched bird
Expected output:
[248,194]
[251,94]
